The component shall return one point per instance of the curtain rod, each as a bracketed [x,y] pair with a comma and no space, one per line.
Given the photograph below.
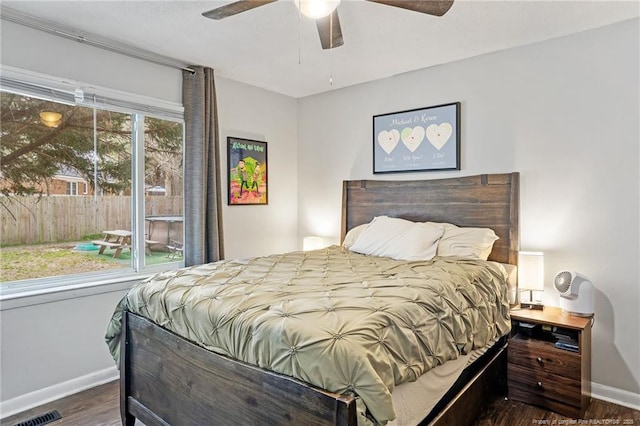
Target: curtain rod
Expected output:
[21,19]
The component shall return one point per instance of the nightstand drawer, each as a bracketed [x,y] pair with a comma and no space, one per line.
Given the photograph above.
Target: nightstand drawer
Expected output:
[544,385]
[518,394]
[541,356]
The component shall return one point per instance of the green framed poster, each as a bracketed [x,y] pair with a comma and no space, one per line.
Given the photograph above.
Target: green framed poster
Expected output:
[247,166]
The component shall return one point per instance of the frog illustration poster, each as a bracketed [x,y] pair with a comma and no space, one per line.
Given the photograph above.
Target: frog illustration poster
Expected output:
[247,165]
[422,139]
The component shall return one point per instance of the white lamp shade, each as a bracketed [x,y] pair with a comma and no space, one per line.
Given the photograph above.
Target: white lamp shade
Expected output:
[316,9]
[531,270]
[313,243]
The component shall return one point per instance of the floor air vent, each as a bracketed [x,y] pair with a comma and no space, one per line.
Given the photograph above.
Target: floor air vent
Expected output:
[43,419]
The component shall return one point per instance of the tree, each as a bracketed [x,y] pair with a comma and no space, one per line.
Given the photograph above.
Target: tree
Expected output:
[163,159]
[31,153]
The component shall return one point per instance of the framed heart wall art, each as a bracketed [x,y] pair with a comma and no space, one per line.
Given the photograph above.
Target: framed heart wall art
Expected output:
[417,140]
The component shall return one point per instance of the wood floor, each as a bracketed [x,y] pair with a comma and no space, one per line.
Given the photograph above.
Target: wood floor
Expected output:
[95,406]
[99,406]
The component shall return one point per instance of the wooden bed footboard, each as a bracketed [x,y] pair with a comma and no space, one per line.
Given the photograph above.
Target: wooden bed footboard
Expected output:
[167,380]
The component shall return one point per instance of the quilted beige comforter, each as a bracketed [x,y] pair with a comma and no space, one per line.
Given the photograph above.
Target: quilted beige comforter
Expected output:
[342,321]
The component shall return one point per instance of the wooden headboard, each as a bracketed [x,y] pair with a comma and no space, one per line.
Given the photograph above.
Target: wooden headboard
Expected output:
[487,201]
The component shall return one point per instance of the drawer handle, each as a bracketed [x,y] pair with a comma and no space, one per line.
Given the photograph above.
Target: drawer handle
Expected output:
[539,385]
[539,360]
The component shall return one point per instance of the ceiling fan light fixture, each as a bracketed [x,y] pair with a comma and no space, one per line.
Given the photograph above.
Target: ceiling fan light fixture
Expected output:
[50,118]
[316,9]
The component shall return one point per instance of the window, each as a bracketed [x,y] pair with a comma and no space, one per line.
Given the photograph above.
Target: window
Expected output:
[86,189]
[72,188]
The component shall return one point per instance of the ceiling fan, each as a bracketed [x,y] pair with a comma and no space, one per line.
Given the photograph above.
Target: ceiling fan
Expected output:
[328,21]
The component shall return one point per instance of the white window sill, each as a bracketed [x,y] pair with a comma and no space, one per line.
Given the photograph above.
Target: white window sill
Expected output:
[19,294]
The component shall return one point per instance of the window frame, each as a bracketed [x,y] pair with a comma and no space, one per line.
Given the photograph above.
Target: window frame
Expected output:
[72,188]
[30,291]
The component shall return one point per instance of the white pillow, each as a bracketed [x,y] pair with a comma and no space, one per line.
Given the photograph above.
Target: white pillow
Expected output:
[398,239]
[474,243]
[353,235]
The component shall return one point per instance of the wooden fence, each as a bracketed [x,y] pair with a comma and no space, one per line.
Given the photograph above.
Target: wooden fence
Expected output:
[35,220]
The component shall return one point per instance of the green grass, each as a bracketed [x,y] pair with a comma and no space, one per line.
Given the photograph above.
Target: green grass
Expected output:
[46,260]
[84,238]
[125,257]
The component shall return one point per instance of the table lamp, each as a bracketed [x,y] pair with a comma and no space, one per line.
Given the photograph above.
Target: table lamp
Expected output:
[531,276]
[313,243]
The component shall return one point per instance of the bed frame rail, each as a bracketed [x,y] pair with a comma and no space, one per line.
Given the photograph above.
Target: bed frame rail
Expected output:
[487,383]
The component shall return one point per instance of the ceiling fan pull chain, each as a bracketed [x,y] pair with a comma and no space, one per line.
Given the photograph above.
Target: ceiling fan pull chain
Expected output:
[331,50]
[299,37]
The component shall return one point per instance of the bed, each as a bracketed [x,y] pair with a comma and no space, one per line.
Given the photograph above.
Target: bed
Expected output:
[169,379]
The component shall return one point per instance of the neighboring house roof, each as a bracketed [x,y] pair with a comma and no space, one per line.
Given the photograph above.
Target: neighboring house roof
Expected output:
[68,174]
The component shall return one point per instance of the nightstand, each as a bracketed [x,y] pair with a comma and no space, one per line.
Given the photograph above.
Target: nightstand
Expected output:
[542,374]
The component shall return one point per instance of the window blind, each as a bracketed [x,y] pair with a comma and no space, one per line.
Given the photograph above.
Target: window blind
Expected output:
[89,98]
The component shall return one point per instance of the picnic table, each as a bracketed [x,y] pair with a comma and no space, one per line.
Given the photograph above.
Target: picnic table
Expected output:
[168,219]
[117,239]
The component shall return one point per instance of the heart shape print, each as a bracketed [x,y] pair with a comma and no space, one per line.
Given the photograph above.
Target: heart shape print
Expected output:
[388,140]
[412,138]
[438,135]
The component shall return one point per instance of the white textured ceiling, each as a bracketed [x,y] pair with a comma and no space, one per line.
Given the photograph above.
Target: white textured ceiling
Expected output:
[272,48]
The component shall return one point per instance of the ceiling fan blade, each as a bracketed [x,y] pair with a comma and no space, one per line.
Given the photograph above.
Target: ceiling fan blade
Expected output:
[430,7]
[330,31]
[235,8]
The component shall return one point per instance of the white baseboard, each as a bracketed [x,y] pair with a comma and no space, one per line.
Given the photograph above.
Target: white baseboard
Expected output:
[616,396]
[42,396]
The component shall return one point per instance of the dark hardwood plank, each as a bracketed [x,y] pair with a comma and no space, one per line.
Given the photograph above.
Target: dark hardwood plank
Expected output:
[99,406]
[95,406]
[503,412]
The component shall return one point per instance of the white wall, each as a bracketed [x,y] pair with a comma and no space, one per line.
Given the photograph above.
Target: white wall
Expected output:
[564,113]
[53,347]
[44,53]
[251,113]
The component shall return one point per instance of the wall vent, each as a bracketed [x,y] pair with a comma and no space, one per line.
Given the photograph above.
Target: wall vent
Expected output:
[43,419]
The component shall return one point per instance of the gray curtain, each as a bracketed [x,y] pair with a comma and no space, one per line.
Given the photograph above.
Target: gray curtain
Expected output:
[202,184]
